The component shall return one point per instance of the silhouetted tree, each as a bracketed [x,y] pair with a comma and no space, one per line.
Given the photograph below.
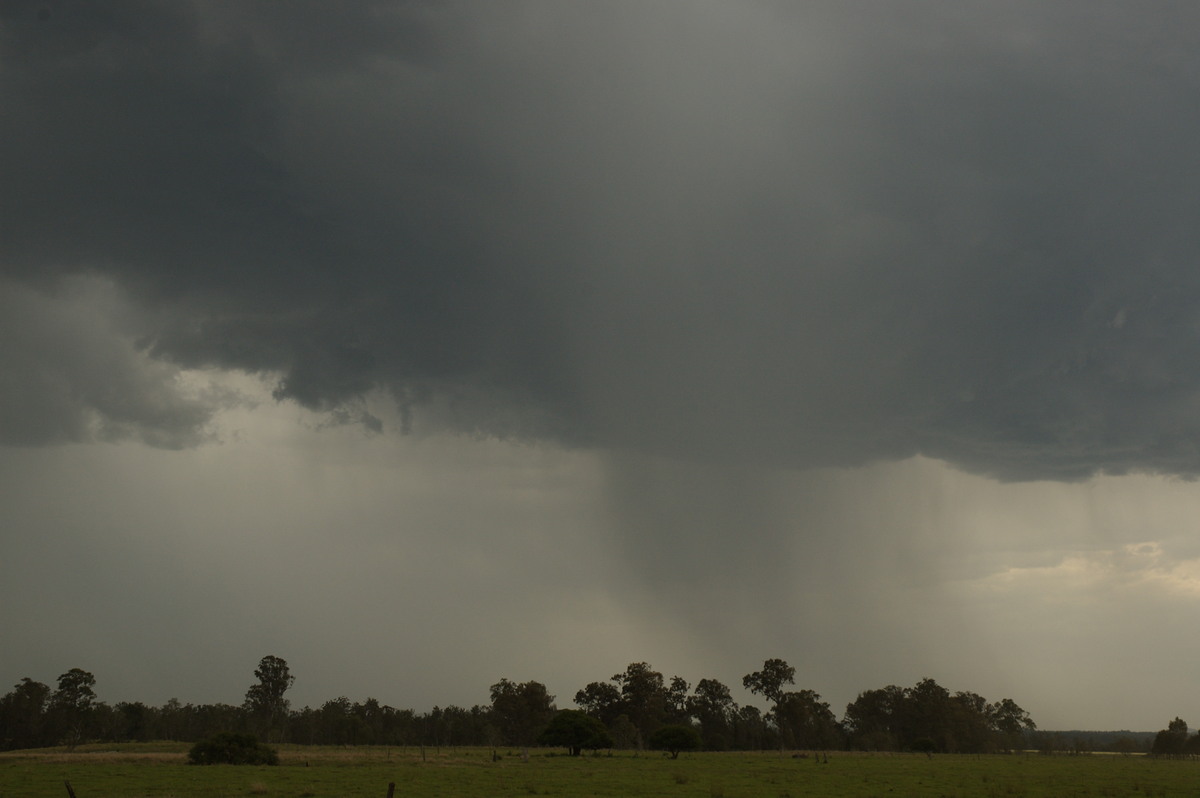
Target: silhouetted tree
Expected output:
[576,731]
[714,708]
[337,723]
[264,702]
[805,721]
[601,700]
[749,729]
[135,721]
[644,697]
[873,720]
[673,739]
[1010,724]
[521,710]
[1172,740]
[72,704]
[369,718]
[624,734]
[23,716]
[928,715]
[677,702]
[970,725]
[769,683]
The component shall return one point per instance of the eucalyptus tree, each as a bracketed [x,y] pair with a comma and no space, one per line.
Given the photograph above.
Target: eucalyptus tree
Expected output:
[712,705]
[601,700]
[267,707]
[521,710]
[769,683]
[805,721]
[873,721]
[23,722]
[677,702]
[72,705]
[1011,724]
[644,696]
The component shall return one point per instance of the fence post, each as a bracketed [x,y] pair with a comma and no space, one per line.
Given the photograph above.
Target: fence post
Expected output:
[391,790]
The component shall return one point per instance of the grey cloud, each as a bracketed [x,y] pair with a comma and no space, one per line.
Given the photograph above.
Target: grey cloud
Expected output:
[816,235]
[68,374]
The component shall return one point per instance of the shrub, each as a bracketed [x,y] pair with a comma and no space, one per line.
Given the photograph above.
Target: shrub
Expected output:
[924,745]
[230,748]
[674,739]
[576,730]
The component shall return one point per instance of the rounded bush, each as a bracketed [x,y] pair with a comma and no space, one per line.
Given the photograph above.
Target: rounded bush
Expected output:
[674,739]
[230,748]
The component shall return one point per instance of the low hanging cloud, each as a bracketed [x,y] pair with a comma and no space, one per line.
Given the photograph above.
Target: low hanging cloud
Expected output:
[67,373]
[754,233]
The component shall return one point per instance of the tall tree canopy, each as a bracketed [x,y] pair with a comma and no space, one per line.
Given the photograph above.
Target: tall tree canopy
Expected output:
[521,710]
[72,704]
[769,681]
[927,717]
[264,700]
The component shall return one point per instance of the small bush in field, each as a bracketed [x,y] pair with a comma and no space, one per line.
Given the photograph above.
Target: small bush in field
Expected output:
[674,739]
[230,748]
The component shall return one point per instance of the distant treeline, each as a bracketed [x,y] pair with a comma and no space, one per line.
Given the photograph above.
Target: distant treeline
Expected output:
[1085,742]
[632,706]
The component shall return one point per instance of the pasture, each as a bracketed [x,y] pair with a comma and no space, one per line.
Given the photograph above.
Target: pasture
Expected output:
[159,770]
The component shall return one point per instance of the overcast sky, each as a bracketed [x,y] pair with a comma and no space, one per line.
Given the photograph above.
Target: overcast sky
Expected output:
[424,344]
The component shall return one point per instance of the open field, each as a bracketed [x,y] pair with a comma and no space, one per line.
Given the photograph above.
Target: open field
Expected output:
[159,770]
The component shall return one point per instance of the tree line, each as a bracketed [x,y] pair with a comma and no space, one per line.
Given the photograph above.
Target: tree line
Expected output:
[634,709]
[1174,741]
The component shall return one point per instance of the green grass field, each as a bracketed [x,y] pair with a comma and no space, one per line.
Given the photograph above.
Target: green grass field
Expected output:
[160,771]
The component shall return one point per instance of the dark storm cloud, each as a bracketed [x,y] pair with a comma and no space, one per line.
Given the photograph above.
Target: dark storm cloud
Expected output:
[66,374]
[800,235]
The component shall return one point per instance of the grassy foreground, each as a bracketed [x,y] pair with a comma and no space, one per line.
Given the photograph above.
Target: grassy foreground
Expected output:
[160,770]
